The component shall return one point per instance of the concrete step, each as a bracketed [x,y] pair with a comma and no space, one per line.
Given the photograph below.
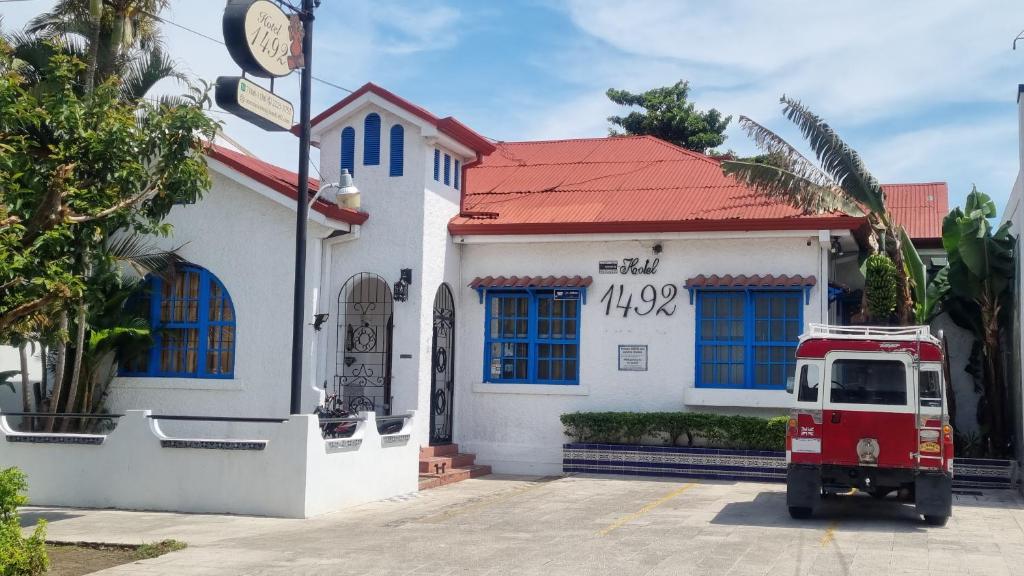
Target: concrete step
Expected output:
[453,475]
[435,451]
[440,464]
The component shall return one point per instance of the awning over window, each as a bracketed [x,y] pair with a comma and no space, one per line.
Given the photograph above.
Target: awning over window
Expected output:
[743,282]
[486,282]
[755,281]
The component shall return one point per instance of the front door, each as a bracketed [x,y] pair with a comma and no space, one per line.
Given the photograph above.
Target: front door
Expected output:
[442,368]
[365,330]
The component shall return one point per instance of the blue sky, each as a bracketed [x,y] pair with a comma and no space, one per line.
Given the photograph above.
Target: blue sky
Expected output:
[925,91]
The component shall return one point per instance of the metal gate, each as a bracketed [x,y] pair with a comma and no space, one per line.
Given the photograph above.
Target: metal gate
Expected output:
[442,368]
[365,325]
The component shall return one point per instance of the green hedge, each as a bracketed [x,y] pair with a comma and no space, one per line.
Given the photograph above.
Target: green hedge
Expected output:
[717,430]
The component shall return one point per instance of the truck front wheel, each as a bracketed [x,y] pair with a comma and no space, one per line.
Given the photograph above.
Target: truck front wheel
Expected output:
[799,512]
[933,520]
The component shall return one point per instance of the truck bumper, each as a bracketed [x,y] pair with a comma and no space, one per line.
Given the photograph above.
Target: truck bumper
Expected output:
[933,494]
[803,486]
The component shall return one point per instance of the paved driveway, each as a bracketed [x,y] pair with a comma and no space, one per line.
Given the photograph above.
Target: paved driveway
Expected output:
[579,525]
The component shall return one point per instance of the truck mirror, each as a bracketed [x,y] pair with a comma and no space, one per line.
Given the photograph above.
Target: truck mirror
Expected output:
[789,384]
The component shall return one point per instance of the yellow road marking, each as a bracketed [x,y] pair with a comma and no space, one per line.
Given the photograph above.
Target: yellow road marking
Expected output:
[830,533]
[647,508]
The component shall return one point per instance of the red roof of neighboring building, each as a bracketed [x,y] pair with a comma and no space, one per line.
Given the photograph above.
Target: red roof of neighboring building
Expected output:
[448,125]
[284,181]
[616,184]
[531,282]
[742,281]
[920,208]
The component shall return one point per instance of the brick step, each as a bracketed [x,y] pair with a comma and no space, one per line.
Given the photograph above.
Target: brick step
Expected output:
[438,464]
[453,475]
[435,451]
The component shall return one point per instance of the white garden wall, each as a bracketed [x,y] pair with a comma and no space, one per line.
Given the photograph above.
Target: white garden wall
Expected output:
[515,428]
[290,472]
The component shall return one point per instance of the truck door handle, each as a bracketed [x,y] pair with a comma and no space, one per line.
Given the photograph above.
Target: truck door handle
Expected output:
[836,417]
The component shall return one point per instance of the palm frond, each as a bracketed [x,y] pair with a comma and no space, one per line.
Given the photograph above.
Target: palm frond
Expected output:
[135,253]
[781,185]
[837,158]
[142,72]
[774,145]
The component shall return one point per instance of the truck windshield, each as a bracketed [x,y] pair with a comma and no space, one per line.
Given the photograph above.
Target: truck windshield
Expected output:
[860,381]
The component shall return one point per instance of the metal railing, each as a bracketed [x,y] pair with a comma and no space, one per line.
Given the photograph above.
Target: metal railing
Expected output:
[215,418]
[815,330]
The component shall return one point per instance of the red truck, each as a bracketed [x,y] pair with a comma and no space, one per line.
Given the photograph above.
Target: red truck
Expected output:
[878,424]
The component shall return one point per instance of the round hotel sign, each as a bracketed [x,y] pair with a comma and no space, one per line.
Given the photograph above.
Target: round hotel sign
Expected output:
[258,37]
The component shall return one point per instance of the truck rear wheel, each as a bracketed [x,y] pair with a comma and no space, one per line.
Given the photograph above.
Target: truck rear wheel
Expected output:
[933,520]
[799,512]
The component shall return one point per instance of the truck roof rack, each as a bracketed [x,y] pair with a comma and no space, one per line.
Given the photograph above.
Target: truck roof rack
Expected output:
[908,333]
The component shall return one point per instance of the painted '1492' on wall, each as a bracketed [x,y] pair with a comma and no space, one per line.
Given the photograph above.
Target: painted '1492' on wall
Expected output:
[650,297]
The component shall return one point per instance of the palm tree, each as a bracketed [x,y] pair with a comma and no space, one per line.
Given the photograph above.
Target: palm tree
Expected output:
[838,183]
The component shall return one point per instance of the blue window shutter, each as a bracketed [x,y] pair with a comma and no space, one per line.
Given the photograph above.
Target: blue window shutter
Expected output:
[447,170]
[457,174]
[397,150]
[437,164]
[371,140]
[531,338]
[348,150]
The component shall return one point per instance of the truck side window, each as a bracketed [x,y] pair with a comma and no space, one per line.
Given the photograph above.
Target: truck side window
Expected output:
[809,380]
[930,389]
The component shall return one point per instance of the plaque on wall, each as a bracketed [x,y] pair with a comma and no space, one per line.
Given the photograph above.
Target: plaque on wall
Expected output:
[633,357]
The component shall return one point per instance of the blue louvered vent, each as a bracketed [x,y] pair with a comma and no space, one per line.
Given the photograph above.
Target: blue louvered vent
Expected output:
[457,173]
[371,140]
[447,170]
[397,150]
[348,150]
[437,164]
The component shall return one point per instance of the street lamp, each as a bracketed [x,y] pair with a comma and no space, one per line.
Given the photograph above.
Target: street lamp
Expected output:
[347,195]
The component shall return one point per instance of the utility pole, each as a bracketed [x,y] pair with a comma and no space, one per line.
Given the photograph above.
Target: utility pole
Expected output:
[302,209]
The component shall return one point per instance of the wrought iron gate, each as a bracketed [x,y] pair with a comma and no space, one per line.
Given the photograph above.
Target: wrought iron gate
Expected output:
[442,368]
[365,325]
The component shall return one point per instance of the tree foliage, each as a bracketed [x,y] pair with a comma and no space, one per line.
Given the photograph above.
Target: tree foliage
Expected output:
[976,290]
[669,115]
[75,167]
[838,183]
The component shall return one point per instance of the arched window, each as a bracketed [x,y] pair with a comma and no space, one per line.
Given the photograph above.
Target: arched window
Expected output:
[192,323]
[437,164]
[447,169]
[458,172]
[371,140]
[397,150]
[348,150]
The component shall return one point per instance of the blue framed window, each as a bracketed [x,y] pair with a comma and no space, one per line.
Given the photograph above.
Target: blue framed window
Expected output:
[747,338]
[397,151]
[192,322]
[447,170]
[371,140]
[348,150]
[437,164]
[457,174]
[531,338]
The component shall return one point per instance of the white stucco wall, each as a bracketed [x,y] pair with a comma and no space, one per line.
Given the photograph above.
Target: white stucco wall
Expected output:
[247,240]
[516,428]
[407,229]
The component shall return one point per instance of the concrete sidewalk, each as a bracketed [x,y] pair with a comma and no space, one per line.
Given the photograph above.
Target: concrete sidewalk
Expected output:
[577,525]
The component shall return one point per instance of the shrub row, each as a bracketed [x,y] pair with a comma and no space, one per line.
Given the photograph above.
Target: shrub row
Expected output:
[717,430]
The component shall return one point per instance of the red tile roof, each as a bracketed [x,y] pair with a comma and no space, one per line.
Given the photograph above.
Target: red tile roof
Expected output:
[920,208]
[620,184]
[741,281]
[448,125]
[284,181]
[531,282]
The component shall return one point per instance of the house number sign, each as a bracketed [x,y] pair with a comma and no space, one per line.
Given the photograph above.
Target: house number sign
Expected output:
[653,300]
[259,37]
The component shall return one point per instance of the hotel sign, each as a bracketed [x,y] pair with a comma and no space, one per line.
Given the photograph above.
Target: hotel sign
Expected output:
[252,102]
[260,37]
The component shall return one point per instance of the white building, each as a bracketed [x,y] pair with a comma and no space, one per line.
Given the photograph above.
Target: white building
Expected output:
[541,278]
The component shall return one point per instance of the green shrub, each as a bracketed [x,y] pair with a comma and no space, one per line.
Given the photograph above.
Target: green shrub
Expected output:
[718,430]
[19,556]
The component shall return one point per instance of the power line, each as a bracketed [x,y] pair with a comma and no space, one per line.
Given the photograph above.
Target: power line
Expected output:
[221,42]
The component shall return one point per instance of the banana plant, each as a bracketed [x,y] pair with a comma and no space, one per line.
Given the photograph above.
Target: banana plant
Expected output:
[976,290]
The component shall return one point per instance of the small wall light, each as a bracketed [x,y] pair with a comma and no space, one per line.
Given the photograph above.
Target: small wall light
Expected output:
[835,247]
[401,291]
[318,320]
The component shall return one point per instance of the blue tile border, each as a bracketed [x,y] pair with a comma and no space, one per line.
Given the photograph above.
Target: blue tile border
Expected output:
[739,465]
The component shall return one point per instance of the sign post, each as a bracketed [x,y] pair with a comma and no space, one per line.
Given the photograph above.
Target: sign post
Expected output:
[265,42]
